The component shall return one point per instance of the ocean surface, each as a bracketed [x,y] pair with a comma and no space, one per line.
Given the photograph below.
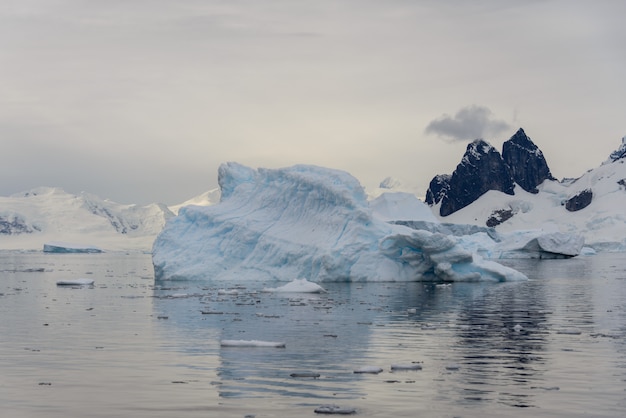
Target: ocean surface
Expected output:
[553,346]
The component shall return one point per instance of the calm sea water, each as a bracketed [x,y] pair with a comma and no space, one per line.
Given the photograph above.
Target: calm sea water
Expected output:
[125,347]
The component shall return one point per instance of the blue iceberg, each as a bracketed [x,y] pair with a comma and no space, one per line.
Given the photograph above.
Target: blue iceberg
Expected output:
[305,222]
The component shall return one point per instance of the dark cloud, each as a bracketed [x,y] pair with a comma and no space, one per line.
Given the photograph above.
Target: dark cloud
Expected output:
[469,123]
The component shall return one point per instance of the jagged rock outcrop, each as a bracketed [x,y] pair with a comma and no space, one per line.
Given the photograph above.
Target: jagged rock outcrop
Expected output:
[438,188]
[618,154]
[12,224]
[526,162]
[481,169]
[580,201]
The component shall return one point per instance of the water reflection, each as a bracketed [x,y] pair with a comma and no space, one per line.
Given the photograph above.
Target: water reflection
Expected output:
[556,343]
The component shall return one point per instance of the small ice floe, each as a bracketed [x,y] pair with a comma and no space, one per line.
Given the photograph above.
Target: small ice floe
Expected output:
[443,285]
[251,343]
[228,292]
[569,331]
[76,282]
[311,375]
[369,369]
[405,366]
[297,286]
[212,312]
[334,409]
[411,311]
[179,295]
[453,367]
[518,328]
[546,387]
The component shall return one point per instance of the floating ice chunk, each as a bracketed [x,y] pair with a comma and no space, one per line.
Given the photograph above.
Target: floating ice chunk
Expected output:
[453,367]
[297,286]
[518,328]
[179,295]
[369,369]
[569,331]
[251,343]
[76,282]
[406,366]
[334,409]
[411,310]
[312,375]
[228,292]
[64,247]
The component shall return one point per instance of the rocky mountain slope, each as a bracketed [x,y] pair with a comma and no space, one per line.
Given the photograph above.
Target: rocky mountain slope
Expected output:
[517,192]
[483,168]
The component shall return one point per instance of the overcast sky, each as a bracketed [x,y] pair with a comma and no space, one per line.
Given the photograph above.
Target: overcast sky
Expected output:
[139,101]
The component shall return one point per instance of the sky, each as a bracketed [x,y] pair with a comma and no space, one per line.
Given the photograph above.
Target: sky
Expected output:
[140,101]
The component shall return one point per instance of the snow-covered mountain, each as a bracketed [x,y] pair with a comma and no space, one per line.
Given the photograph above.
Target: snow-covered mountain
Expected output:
[30,219]
[591,205]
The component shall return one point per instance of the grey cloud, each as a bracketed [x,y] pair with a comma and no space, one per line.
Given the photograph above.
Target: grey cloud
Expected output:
[468,123]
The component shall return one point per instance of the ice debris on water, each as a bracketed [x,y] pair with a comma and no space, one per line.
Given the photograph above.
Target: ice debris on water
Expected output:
[251,343]
[569,332]
[369,369]
[407,366]
[334,409]
[76,282]
[297,286]
[312,375]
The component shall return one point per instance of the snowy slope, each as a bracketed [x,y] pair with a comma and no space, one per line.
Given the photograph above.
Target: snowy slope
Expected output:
[602,222]
[207,198]
[30,219]
[304,222]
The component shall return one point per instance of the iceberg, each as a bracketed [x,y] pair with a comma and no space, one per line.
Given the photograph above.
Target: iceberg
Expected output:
[535,244]
[63,247]
[309,222]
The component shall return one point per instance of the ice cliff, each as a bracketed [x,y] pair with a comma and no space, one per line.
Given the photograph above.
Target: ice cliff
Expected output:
[305,222]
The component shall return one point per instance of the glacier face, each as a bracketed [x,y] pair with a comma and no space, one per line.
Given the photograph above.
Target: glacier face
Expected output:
[305,222]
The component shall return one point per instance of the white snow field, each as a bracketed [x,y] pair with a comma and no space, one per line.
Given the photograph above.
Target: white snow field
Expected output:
[305,222]
[46,215]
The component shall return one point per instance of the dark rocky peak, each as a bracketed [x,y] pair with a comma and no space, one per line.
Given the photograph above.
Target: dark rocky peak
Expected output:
[526,162]
[438,188]
[481,169]
[580,201]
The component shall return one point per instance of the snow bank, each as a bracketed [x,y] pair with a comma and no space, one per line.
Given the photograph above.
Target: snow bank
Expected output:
[304,221]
